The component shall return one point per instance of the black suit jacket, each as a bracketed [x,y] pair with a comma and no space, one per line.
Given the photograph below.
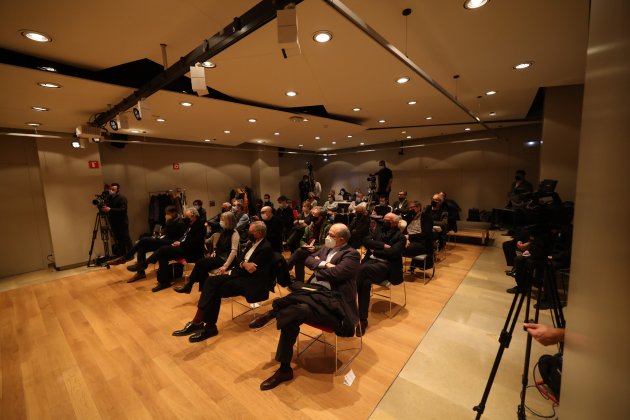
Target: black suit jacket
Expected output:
[193,243]
[342,276]
[255,285]
[375,245]
[274,233]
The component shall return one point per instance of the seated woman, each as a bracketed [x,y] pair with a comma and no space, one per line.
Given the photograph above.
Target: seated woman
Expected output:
[225,247]
[299,224]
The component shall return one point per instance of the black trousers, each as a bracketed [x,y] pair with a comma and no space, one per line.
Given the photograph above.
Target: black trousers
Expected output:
[509,250]
[297,260]
[144,245]
[122,240]
[162,256]
[370,271]
[203,267]
[214,289]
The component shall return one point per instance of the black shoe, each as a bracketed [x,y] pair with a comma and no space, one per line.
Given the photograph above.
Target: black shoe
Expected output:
[412,269]
[276,379]
[207,332]
[138,266]
[187,288]
[138,276]
[360,330]
[160,286]
[117,261]
[189,328]
[262,320]
[512,290]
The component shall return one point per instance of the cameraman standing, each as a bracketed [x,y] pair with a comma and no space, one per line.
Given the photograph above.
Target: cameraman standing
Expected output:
[116,209]
[385,178]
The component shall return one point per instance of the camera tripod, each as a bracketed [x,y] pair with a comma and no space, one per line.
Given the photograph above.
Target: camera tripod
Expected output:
[101,223]
[524,280]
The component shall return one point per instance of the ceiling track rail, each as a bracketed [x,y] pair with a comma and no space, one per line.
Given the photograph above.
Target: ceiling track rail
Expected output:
[347,13]
[256,17]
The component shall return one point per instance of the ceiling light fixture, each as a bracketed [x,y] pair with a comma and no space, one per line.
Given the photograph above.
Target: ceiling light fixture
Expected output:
[35,36]
[492,114]
[316,137]
[412,103]
[208,64]
[291,93]
[408,137]
[160,120]
[76,144]
[429,118]
[49,85]
[403,132]
[186,104]
[300,145]
[33,124]
[361,144]
[276,133]
[39,108]
[305,119]
[491,92]
[334,142]
[260,141]
[322,36]
[381,121]
[227,131]
[47,68]
[402,80]
[136,131]
[467,129]
[356,109]
[207,140]
[252,120]
[475,4]
[349,136]
[523,65]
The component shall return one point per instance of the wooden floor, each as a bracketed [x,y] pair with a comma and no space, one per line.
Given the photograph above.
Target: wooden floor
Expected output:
[92,346]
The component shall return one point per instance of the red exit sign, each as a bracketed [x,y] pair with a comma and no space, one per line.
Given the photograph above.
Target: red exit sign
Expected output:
[94,164]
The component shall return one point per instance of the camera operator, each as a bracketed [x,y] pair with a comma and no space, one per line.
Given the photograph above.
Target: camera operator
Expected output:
[115,207]
[385,178]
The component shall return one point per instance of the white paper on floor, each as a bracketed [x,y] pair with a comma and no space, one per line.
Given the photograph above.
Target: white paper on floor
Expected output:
[349,378]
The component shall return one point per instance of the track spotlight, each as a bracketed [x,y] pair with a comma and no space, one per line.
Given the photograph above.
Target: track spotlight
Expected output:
[77,143]
[121,122]
[114,124]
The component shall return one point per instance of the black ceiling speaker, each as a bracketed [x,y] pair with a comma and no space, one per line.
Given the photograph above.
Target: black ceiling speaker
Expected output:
[281,151]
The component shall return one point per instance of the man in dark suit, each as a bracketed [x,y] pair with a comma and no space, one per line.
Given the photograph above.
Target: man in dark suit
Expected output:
[274,228]
[249,278]
[284,212]
[334,266]
[382,264]
[189,247]
[116,209]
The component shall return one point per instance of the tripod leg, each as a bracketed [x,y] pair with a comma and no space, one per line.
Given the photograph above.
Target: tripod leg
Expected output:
[94,231]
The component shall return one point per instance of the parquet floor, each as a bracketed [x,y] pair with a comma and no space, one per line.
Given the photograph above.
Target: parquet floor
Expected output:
[92,346]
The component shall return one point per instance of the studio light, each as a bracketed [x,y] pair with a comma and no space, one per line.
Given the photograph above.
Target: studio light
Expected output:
[198,80]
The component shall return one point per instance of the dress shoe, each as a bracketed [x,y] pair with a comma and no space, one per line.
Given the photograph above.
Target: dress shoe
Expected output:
[136,277]
[360,330]
[117,261]
[262,320]
[189,328]
[207,332]
[276,379]
[186,288]
[141,266]
[512,290]
[160,286]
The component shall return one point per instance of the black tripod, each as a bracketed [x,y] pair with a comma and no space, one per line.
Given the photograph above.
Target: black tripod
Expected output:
[101,224]
[524,278]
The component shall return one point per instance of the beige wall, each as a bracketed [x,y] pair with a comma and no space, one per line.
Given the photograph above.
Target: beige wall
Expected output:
[206,174]
[69,186]
[596,372]
[561,136]
[475,174]
[25,240]
[266,173]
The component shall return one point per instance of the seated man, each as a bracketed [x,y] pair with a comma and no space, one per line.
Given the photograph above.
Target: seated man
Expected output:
[249,277]
[419,234]
[359,227]
[330,206]
[400,207]
[172,231]
[312,240]
[299,224]
[189,246]
[284,212]
[453,209]
[382,264]
[274,228]
[382,208]
[514,248]
[439,215]
[334,266]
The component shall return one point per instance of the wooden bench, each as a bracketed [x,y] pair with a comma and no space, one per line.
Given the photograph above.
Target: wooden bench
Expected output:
[480,230]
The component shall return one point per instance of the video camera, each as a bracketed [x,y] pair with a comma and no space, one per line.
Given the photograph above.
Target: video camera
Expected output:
[371,178]
[99,200]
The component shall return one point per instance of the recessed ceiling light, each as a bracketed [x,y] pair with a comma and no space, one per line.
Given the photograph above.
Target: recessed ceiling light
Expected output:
[491,92]
[305,119]
[35,36]
[316,137]
[402,80]
[381,121]
[322,36]
[300,145]
[208,64]
[356,109]
[475,4]
[429,118]
[349,136]
[160,120]
[39,108]
[325,159]
[136,131]
[76,144]
[291,93]
[49,85]
[467,129]
[252,120]
[492,114]
[48,68]
[403,132]
[227,131]
[207,140]
[260,141]
[187,104]
[412,102]
[33,124]
[361,144]
[523,65]
[408,137]
[334,142]
[276,134]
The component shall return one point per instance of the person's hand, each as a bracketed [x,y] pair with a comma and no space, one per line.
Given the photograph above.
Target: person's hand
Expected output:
[407,243]
[526,253]
[176,243]
[329,265]
[386,246]
[250,267]
[213,254]
[317,257]
[221,269]
[105,209]
[520,245]
[545,335]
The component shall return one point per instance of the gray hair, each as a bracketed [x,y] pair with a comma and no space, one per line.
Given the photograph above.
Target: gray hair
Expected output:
[260,227]
[193,211]
[342,231]
[229,219]
[319,209]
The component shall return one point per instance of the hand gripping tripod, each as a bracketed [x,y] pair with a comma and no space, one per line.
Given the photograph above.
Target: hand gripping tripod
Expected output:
[530,269]
[100,224]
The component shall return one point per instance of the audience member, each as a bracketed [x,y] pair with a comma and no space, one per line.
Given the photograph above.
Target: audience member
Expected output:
[382,264]
[400,207]
[248,278]
[214,225]
[242,218]
[334,267]
[385,178]
[305,187]
[189,246]
[312,240]
[358,199]
[299,224]
[198,204]
[285,214]
[359,227]
[224,250]
[116,209]
[274,228]
[439,215]
[330,206]
[453,209]
[418,239]
[519,191]
[267,201]
[312,199]
[382,208]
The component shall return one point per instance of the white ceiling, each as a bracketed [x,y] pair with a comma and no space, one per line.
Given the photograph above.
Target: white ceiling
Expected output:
[441,37]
